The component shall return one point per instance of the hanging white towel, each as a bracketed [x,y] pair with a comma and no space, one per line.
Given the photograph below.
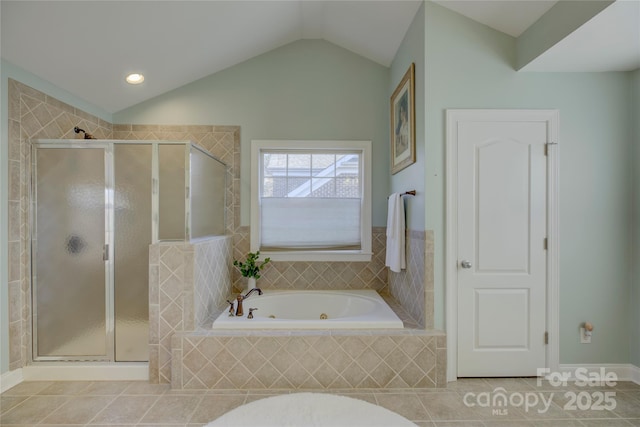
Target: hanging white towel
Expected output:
[396,258]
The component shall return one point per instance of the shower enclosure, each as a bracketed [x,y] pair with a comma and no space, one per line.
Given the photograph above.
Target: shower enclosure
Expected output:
[96,208]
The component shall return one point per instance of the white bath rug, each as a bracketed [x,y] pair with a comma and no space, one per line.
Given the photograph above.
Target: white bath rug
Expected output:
[310,410]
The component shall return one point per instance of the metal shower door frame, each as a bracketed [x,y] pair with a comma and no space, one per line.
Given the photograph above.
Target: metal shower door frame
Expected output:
[108,239]
[189,187]
[108,147]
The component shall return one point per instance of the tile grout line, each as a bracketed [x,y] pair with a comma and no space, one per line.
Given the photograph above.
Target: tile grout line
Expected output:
[72,398]
[200,398]
[426,409]
[115,397]
[150,406]
[3,413]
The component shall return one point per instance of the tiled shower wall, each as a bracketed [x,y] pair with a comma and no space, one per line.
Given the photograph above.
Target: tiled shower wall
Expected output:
[413,287]
[181,295]
[32,114]
[211,265]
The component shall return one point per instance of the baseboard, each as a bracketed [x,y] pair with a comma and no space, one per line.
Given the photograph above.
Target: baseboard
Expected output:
[635,374]
[86,372]
[10,379]
[623,371]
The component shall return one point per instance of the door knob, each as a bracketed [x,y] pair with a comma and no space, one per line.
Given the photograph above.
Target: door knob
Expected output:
[465,264]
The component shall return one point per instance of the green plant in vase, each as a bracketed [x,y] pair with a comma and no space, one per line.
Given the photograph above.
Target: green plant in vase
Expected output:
[251,267]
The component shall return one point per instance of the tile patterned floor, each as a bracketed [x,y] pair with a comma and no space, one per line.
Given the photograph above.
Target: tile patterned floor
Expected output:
[124,404]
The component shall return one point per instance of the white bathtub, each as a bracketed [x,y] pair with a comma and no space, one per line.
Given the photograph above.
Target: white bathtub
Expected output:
[357,309]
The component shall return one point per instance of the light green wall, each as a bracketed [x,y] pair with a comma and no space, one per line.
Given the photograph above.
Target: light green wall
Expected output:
[309,89]
[471,66]
[634,301]
[412,177]
[557,23]
[7,71]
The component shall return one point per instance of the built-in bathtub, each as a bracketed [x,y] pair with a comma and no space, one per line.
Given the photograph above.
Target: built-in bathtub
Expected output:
[313,309]
[345,351]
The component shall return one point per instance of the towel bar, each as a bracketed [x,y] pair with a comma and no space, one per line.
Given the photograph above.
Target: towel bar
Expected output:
[407,193]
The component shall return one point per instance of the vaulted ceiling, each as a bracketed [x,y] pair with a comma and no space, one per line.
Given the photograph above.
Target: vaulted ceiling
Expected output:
[87,47]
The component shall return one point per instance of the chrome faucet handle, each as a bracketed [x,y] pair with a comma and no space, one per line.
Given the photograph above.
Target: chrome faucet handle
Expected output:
[250,315]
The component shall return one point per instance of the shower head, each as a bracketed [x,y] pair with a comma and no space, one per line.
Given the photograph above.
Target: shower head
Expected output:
[76,129]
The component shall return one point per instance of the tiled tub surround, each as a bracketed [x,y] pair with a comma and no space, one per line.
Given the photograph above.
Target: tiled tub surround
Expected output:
[413,357]
[317,275]
[187,353]
[413,287]
[344,359]
[181,295]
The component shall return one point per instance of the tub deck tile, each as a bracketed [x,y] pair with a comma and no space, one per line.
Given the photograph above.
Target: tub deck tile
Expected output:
[354,359]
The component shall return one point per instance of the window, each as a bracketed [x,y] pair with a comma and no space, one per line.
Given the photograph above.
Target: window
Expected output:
[311,200]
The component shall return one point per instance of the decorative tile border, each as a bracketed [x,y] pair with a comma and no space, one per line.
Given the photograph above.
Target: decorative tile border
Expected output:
[308,360]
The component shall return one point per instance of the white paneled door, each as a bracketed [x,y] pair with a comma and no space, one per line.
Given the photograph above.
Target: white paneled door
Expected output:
[501,245]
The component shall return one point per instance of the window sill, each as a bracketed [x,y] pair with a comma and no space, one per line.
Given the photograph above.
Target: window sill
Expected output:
[320,256]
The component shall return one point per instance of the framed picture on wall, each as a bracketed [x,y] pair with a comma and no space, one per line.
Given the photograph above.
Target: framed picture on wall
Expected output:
[403,123]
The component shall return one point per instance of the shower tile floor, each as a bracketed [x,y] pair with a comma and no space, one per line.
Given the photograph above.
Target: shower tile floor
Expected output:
[118,403]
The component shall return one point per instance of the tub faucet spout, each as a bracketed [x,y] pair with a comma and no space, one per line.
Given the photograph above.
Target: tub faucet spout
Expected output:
[240,298]
[251,291]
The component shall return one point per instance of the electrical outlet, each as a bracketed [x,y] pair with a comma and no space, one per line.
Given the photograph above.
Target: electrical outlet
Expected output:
[584,338]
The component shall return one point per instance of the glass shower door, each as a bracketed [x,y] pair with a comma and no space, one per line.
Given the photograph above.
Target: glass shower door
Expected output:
[172,191]
[69,273]
[132,237]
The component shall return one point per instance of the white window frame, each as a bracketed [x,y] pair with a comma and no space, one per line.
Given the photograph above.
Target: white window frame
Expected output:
[364,253]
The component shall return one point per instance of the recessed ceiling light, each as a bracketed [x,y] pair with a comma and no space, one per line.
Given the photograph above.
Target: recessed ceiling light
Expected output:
[134,79]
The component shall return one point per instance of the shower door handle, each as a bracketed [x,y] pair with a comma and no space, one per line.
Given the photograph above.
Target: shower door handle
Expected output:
[105,253]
